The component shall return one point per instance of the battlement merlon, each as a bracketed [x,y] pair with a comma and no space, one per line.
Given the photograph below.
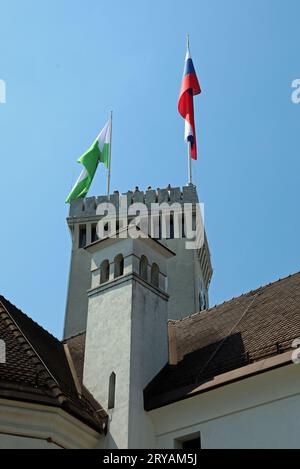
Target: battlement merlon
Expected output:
[87,207]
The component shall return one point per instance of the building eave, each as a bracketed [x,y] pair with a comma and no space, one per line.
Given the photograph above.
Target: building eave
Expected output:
[192,390]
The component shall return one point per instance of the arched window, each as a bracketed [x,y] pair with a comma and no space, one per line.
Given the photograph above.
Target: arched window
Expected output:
[155,275]
[104,271]
[119,266]
[94,235]
[202,300]
[112,390]
[82,236]
[144,267]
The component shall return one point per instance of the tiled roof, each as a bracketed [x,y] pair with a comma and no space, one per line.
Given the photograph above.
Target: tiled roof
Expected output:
[37,369]
[76,346]
[256,325]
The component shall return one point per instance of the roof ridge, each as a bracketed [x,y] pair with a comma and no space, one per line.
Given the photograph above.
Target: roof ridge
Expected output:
[250,292]
[22,334]
[28,317]
[61,395]
[73,336]
[15,321]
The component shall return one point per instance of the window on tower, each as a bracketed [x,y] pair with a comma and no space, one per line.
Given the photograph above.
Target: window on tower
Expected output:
[171,226]
[112,391]
[94,233]
[82,236]
[104,271]
[144,267]
[202,300]
[119,266]
[155,275]
[183,226]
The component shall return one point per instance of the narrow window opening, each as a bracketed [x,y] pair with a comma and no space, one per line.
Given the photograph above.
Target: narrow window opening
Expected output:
[144,267]
[202,299]
[171,226]
[189,442]
[82,236]
[159,226]
[183,226]
[194,222]
[119,266]
[155,275]
[94,233]
[104,271]
[112,391]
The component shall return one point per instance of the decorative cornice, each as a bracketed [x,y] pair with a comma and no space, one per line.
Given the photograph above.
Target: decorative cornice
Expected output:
[130,277]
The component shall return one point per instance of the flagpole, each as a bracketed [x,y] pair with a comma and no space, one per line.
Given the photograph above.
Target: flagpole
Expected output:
[189,143]
[188,42]
[189,162]
[109,159]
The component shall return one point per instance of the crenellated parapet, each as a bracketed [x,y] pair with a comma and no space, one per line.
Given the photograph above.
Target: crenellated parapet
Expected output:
[88,206]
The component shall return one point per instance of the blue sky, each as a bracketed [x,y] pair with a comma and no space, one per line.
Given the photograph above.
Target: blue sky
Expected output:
[67,63]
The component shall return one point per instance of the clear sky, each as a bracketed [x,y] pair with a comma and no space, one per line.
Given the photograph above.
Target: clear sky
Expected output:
[66,63]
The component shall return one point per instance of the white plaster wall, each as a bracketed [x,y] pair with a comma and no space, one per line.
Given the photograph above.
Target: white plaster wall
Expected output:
[127,335]
[149,353]
[259,412]
[108,350]
[21,442]
[28,425]
[184,274]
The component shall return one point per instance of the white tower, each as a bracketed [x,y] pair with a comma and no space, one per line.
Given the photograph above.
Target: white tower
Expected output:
[190,271]
[126,337]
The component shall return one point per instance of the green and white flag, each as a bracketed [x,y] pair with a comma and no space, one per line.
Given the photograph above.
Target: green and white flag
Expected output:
[98,151]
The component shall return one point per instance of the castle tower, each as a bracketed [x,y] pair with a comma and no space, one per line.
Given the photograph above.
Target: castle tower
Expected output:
[126,337]
[190,270]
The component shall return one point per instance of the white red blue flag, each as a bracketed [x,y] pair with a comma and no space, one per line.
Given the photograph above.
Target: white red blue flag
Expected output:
[189,88]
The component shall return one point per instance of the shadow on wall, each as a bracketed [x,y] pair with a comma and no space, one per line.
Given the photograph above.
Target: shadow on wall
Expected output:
[197,368]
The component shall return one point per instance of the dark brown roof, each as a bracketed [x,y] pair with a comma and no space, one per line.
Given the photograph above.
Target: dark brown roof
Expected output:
[37,369]
[256,325]
[76,346]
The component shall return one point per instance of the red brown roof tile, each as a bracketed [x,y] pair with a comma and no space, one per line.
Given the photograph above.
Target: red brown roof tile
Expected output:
[37,369]
[256,325]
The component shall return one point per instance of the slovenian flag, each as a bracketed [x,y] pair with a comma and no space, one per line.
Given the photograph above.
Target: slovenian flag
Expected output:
[189,88]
